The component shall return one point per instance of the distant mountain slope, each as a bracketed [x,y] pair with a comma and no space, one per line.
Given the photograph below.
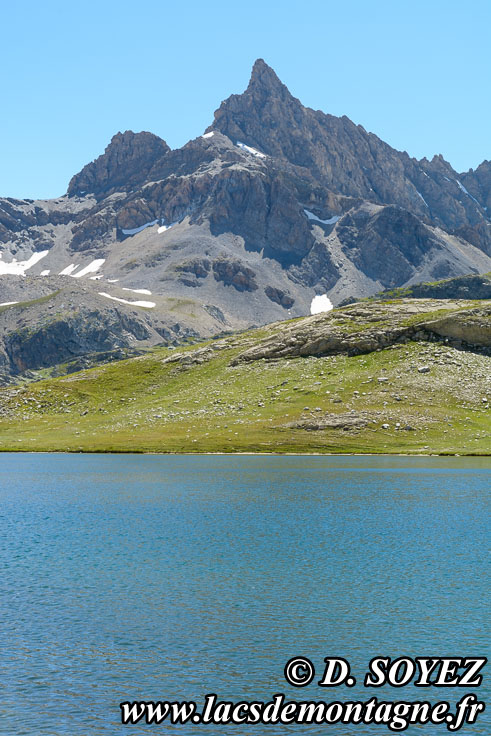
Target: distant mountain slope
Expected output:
[273,205]
[476,286]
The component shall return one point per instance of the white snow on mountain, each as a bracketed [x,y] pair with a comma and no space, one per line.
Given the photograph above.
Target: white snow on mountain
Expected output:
[19,268]
[69,270]
[91,268]
[320,303]
[330,221]
[138,291]
[250,149]
[463,189]
[164,228]
[135,230]
[148,305]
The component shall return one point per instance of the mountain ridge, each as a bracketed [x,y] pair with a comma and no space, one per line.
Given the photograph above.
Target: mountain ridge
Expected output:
[339,166]
[274,204]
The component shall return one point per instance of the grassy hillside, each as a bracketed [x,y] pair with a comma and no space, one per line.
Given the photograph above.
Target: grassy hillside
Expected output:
[412,397]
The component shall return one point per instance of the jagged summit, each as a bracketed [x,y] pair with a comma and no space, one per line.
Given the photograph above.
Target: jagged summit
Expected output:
[350,161]
[127,160]
[265,106]
[264,78]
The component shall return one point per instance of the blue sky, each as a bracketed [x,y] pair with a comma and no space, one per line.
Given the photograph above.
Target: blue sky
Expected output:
[415,73]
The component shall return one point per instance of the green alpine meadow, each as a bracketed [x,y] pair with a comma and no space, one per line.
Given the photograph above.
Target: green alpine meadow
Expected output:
[389,376]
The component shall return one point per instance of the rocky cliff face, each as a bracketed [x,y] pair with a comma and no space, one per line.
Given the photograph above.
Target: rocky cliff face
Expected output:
[124,164]
[478,183]
[275,204]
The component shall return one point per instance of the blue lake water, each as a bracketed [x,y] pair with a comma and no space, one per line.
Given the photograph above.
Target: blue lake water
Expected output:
[163,577]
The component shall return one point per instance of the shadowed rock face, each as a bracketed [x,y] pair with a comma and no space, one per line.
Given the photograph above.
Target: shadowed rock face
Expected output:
[478,183]
[60,320]
[242,226]
[388,246]
[80,333]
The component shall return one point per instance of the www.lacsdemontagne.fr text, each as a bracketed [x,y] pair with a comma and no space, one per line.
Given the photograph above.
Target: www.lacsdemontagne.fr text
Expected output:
[395,715]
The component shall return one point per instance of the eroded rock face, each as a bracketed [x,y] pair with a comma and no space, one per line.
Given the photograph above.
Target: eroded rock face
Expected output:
[387,246]
[279,296]
[60,320]
[261,207]
[69,337]
[473,286]
[125,162]
[236,274]
[197,267]
[346,422]
[478,183]
[470,328]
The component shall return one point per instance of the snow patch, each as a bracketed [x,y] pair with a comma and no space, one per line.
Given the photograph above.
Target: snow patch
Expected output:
[421,196]
[91,268]
[148,305]
[463,189]
[45,273]
[208,135]
[249,149]
[96,278]
[7,304]
[320,303]
[164,228]
[138,291]
[19,268]
[112,281]
[330,221]
[69,270]
[135,230]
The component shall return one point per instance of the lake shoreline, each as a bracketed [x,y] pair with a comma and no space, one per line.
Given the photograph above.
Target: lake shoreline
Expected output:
[134,451]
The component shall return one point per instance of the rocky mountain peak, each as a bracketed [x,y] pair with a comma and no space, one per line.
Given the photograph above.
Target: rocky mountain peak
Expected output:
[264,79]
[126,161]
[261,114]
[350,162]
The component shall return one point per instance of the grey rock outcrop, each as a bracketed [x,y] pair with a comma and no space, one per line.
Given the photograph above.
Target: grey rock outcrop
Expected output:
[365,328]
